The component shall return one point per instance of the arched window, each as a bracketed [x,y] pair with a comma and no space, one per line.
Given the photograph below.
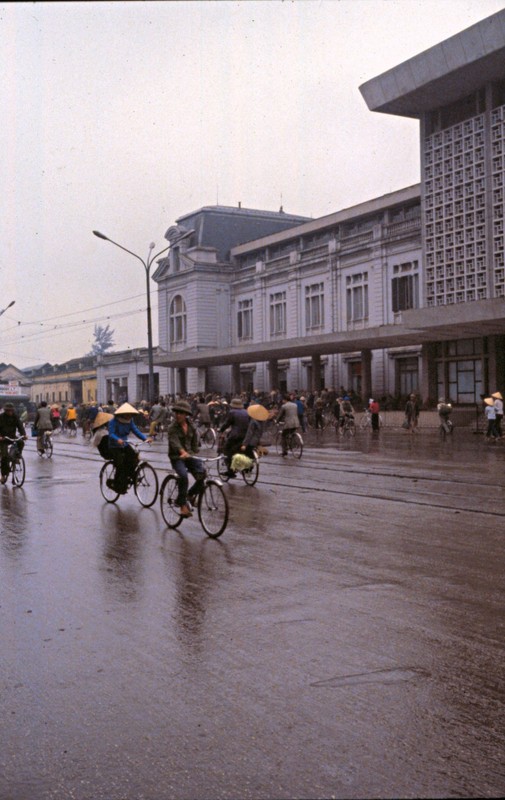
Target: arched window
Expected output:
[177,320]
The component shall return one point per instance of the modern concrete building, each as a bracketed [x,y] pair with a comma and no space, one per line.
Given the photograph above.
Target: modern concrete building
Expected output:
[404,292]
[457,91]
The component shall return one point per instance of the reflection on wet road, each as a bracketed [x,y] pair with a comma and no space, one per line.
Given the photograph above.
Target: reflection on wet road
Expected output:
[343,638]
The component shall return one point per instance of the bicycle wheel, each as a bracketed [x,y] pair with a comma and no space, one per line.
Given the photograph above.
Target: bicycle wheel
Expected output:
[222,469]
[213,509]
[349,430]
[250,475]
[108,473]
[168,495]
[296,445]
[48,447]
[209,438]
[18,471]
[278,443]
[72,430]
[146,484]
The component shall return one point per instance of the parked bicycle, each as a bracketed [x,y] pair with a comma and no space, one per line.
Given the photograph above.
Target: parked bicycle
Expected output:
[16,461]
[144,482]
[211,503]
[293,442]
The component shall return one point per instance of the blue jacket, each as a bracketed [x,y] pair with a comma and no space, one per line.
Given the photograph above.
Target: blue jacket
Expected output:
[120,430]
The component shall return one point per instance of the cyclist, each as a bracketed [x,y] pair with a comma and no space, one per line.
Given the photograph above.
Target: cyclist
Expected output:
[71,418]
[258,416]
[182,448]
[288,413]
[237,421]
[9,425]
[125,458]
[43,424]
[347,410]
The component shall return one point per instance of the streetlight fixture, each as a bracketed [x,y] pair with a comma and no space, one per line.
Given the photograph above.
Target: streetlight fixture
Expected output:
[7,307]
[147,268]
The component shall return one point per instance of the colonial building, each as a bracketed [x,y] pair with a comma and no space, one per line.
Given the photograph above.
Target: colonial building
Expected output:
[71,382]
[403,292]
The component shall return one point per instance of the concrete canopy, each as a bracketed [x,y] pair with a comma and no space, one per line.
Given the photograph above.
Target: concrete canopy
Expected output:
[420,326]
[443,74]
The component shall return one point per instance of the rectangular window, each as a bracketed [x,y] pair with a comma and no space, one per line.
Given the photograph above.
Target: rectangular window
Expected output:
[405,292]
[245,319]
[314,306]
[278,313]
[357,297]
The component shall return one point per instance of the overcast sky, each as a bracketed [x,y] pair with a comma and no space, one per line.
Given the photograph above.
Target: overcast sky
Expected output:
[122,116]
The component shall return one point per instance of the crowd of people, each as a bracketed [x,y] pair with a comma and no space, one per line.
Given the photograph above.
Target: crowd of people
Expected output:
[239,420]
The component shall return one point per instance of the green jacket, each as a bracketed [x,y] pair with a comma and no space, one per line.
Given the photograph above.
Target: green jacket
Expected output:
[178,440]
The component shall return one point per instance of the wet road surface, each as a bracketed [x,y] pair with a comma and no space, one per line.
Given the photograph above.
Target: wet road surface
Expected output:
[344,638]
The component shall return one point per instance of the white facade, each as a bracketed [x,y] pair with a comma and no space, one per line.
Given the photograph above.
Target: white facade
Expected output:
[325,276]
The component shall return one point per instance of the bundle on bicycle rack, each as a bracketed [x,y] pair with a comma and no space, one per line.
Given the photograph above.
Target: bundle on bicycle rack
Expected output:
[240,462]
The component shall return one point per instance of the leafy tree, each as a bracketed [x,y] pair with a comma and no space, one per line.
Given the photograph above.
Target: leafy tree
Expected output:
[103,340]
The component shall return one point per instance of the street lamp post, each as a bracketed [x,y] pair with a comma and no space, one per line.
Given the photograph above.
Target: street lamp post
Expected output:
[7,307]
[147,268]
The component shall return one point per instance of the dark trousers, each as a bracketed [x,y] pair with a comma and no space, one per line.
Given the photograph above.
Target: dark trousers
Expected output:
[125,460]
[231,446]
[4,456]
[375,422]
[183,467]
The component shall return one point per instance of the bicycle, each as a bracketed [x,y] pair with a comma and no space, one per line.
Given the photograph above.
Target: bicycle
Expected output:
[211,503]
[250,474]
[17,466]
[47,445]
[293,442]
[348,427]
[144,482]
[207,435]
[366,420]
[71,428]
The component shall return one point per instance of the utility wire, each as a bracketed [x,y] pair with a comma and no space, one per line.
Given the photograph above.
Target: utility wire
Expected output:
[70,313]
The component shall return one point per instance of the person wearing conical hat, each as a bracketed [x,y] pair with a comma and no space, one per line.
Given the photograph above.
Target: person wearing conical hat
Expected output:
[123,455]
[258,415]
[498,404]
[99,428]
[490,414]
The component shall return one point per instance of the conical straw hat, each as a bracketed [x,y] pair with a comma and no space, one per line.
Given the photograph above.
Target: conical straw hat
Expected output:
[126,408]
[101,418]
[258,412]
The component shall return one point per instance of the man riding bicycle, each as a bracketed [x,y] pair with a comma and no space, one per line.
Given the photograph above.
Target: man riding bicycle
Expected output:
[123,455]
[237,421]
[182,448]
[9,425]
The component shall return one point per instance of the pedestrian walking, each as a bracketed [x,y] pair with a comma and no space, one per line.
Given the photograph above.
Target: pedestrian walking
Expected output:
[490,414]
[498,404]
[412,410]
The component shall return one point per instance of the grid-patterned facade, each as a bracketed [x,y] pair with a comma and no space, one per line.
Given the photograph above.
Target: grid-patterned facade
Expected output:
[464,211]
[498,178]
[455,214]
